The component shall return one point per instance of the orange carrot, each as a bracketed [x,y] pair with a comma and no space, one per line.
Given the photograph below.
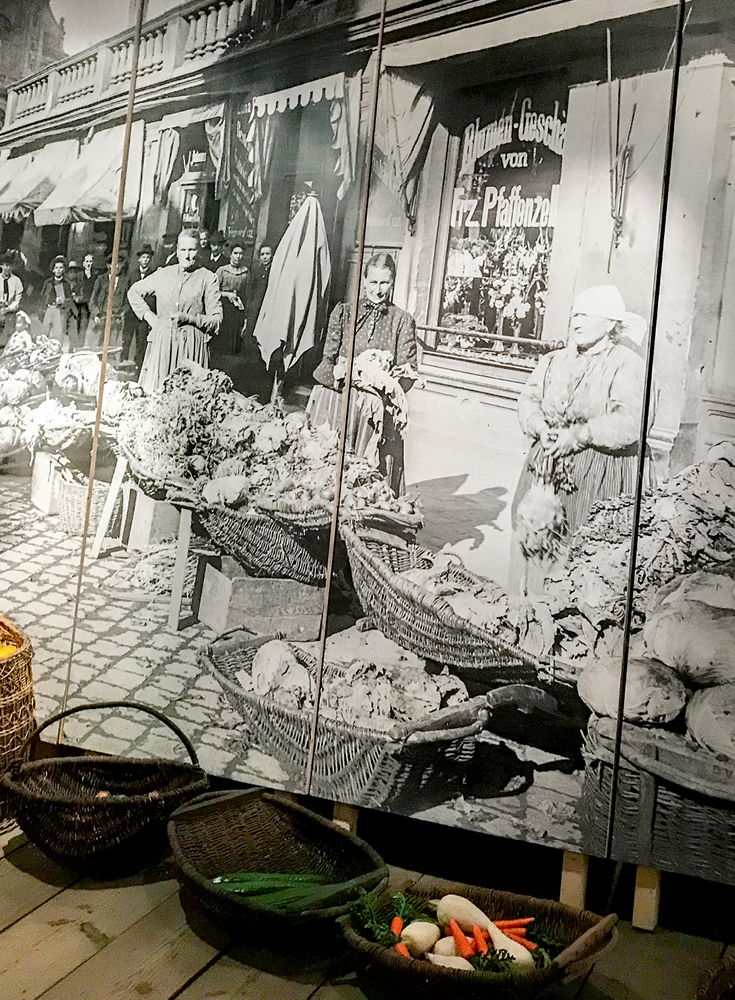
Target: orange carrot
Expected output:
[519,922]
[396,925]
[463,945]
[480,941]
[402,949]
[516,931]
[521,940]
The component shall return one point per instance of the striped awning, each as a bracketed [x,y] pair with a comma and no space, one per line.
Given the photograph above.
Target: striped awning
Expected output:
[38,178]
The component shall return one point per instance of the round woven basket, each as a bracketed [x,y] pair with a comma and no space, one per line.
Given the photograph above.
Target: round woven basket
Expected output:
[17,700]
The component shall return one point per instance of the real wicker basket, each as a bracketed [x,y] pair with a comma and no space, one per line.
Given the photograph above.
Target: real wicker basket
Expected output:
[271,546]
[718,983]
[675,802]
[355,764]
[586,937]
[254,830]
[73,505]
[97,812]
[427,624]
[17,700]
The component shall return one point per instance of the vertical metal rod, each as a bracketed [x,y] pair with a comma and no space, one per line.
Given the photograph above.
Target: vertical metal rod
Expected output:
[106,339]
[346,396]
[645,412]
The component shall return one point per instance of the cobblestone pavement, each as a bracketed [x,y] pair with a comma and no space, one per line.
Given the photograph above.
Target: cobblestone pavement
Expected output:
[125,650]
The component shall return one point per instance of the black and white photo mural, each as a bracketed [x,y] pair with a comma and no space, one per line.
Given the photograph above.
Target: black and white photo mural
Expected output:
[419,357]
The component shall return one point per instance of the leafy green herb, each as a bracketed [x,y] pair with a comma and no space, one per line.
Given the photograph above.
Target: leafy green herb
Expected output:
[372,919]
[493,961]
[410,908]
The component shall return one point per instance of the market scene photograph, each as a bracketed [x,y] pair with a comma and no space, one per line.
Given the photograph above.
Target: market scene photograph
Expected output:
[407,393]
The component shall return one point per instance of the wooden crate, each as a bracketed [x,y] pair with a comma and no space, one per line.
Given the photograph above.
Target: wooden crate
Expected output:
[45,483]
[146,521]
[231,599]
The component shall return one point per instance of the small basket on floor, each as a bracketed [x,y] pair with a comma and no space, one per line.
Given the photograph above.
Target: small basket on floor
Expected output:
[97,812]
[585,936]
[17,700]
[718,982]
[256,831]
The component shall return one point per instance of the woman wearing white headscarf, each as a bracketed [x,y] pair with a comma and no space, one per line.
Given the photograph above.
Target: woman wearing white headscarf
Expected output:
[582,409]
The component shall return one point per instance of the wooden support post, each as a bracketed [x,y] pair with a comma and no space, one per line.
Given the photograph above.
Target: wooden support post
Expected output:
[109,506]
[177,583]
[647,898]
[573,879]
[345,816]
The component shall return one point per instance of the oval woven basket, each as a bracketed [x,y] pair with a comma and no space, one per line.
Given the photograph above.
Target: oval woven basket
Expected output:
[366,767]
[586,937]
[268,546]
[424,623]
[17,699]
[94,812]
[257,831]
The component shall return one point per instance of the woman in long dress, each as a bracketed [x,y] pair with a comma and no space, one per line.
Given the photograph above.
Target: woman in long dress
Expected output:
[188,314]
[233,280]
[582,409]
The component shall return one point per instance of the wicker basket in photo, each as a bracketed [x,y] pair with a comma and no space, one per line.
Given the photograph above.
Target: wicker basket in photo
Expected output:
[718,982]
[73,505]
[424,623]
[257,831]
[270,547]
[366,767]
[675,802]
[586,937]
[96,812]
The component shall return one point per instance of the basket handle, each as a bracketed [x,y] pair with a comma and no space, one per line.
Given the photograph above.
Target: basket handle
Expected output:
[113,704]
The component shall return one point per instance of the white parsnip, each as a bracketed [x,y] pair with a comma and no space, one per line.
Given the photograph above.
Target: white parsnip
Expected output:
[446,946]
[450,961]
[420,936]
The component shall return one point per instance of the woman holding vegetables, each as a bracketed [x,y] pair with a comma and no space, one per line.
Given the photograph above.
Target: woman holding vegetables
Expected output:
[188,313]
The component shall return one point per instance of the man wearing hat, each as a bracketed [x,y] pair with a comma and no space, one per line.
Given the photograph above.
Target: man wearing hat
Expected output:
[98,303]
[166,253]
[11,292]
[217,257]
[581,407]
[132,326]
[58,310]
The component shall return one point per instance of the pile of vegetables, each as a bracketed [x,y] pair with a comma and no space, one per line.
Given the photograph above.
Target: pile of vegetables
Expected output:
[375,695]
[688,523]
[22,351]
[373,371]
[283,893]
[454,933]
[197,434]
[80,373]
[53,427]
[365,490]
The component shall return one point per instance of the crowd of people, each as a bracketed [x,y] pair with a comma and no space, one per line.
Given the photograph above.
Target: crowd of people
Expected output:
[71,303]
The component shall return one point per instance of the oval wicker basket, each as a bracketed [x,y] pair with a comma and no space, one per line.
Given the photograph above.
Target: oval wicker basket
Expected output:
[254,830]
[17,700]
[427,624]
[270,546]
[59,805]
[586,937]
[355,764]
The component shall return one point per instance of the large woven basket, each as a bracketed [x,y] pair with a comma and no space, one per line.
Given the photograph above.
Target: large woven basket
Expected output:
[586,937]
[73,505]
[675,803]
[98,812]
[269,546]
[366,767]
[424,623]
[254,830]
[718,983]
[17,700]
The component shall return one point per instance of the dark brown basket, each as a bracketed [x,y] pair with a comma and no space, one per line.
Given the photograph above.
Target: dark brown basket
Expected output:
[586,937]
[254,830]
[58,806]
[365,767]
[675,802]
[426,624]
[718,983]
[270,547]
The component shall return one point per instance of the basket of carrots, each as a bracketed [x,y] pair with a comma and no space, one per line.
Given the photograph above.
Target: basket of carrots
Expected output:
[449,940]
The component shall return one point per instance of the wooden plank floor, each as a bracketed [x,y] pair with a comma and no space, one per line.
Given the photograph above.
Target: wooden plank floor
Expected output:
[63,937]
